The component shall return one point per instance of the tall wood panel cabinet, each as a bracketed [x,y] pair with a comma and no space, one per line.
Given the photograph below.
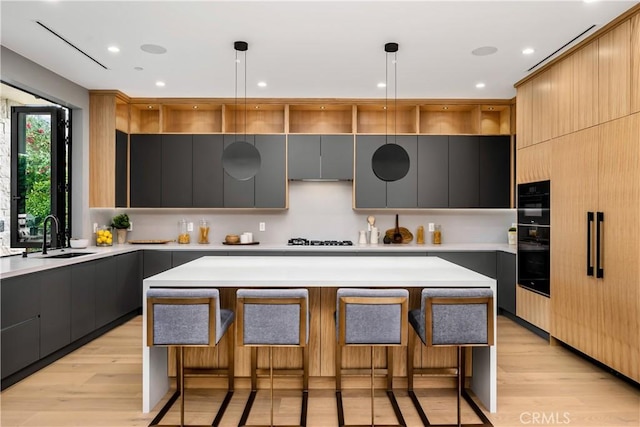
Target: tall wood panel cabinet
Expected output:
[598,170]
[635,64]
[614,68]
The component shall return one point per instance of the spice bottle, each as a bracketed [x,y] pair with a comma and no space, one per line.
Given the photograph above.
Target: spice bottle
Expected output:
[420,235]
[183,232]
[437,235]
[203,235]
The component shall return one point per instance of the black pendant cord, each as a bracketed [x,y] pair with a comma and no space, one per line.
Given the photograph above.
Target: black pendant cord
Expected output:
[386,98]
[235,94]
[395,97]
[245,95]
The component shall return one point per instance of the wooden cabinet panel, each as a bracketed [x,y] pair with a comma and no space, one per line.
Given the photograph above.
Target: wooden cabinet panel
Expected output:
[574,295]
[562,91]
[544,108]
[585,86]
[533,307]
[533,163]
[614,67]
[635,63]
[102,148]
[524,106]
[619,200]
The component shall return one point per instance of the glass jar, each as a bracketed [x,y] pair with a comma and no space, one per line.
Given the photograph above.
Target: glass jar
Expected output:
[104,236]
[184,237]
[420,235]
[437,235]
[203,234]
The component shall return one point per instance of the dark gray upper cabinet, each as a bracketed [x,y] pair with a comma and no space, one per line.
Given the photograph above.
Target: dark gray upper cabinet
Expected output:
[55,309]
[122,153]
[433,171]
[176,171]
[464,172]
[83,299]
[321,157]
[403,193]
[238,194]
[371,192]
[271,179]
[207,171]
[304,156]
[495,171]
[146,171]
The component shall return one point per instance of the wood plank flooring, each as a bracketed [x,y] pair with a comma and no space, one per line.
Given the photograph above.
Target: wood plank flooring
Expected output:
[538,385]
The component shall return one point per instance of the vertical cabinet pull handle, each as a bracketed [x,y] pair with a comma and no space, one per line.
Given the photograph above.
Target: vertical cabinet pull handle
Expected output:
[590,218]
[599,221]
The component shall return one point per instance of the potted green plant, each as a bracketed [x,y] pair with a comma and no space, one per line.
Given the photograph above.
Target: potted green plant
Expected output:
[121,223]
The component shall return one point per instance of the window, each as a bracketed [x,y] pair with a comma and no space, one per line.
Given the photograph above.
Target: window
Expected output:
[39,174]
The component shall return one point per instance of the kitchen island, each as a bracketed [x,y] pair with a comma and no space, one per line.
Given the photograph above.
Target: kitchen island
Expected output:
[322,276]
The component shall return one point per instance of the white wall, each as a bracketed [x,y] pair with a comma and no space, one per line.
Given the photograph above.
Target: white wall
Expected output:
[317,210]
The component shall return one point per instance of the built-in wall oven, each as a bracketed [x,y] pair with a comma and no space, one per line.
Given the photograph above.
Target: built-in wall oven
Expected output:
[534,236]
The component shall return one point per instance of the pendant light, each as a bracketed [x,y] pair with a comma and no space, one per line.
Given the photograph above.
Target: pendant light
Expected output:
[390,162]
[241,159]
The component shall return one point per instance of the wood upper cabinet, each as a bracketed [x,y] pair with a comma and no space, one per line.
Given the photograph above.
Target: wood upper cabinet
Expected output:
[585,87]
[562,96]
[614,72]
[544,112]
[524,107]
[534,163]
[598,170]
[635,63]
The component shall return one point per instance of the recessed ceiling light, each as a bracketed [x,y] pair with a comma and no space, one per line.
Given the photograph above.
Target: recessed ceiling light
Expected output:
[445,108]
[153,48]
[160,83]
[484,51]
[195,107]
[480,85]
[150,107]
[262,84]
[528,51]
[113,49]
[382,84]
[322,107]
[257,107]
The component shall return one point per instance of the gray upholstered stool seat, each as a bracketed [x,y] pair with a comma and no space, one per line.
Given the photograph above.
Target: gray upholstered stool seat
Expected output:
[458,317]
[188,317]
[374,318]
[273,318]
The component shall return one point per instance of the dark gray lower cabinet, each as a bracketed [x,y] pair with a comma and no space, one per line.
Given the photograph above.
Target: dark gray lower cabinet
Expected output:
[83,299]
[128,284]
[55,310]
[20,346]
[480,262]
[106,305]
[155,262]
[507,282]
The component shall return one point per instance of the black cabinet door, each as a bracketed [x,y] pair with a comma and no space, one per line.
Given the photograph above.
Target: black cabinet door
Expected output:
[238,194]
[122,155]
[480,262]
[403,193]
[146,171]
[207,171]
[55,310]
[304,156]
[495,175]
[128,284]
[336,154]
[20,299]
[464,172]
[271,180]
[106,302]
[433,171]
[155,262]
[371,192]
[176,171]
[20,346]
[83,299]
[507,282]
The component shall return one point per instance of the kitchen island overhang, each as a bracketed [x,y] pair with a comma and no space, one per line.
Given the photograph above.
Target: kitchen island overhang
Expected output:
[317,272]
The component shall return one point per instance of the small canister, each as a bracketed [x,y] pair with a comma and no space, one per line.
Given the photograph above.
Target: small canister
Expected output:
[184,236]
[203,235]
[437,235]
[420,235]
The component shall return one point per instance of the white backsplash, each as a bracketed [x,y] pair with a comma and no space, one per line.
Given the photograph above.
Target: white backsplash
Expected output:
[317,211]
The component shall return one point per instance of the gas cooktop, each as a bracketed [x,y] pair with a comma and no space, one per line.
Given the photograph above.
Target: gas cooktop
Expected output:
[299,241]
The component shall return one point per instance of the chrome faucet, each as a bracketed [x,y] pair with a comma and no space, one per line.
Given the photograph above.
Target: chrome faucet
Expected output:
[56,222]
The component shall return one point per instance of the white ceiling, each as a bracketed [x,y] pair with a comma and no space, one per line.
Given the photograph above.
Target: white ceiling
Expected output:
[309,49]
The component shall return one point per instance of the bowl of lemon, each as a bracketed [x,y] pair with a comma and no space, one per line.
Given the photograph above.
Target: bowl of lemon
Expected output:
[104,237]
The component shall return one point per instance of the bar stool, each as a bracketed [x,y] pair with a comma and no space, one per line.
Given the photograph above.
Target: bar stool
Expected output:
[458,317]
[274,318]
[373,318]
[188,317]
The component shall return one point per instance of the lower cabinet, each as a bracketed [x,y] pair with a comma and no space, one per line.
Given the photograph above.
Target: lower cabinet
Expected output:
[83,297]
[155,262]
[480,262]
[55,311]
[507,282]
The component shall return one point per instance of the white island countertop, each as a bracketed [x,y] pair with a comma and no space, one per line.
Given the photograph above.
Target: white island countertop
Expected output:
[308,272]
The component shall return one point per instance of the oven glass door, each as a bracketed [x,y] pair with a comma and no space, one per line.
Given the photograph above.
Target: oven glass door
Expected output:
[534,258]
[533,203]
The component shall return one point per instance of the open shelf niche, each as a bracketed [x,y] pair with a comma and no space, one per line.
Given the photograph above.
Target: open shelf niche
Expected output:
[321,118]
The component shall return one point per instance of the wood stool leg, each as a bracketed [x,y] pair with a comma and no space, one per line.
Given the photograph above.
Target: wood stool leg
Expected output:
[180,379]
[460,381]
[373,370]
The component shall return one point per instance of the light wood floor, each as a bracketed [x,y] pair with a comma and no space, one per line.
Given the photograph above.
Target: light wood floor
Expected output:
[538,385]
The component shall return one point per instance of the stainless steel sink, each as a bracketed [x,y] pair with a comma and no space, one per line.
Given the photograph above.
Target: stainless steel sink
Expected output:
[69,255]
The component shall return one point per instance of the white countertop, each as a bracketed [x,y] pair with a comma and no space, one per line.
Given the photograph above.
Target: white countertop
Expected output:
[16,265]
[304,271]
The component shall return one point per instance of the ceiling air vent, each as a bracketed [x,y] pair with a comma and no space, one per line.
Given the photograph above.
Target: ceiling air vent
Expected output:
[563,46]
[70,44]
